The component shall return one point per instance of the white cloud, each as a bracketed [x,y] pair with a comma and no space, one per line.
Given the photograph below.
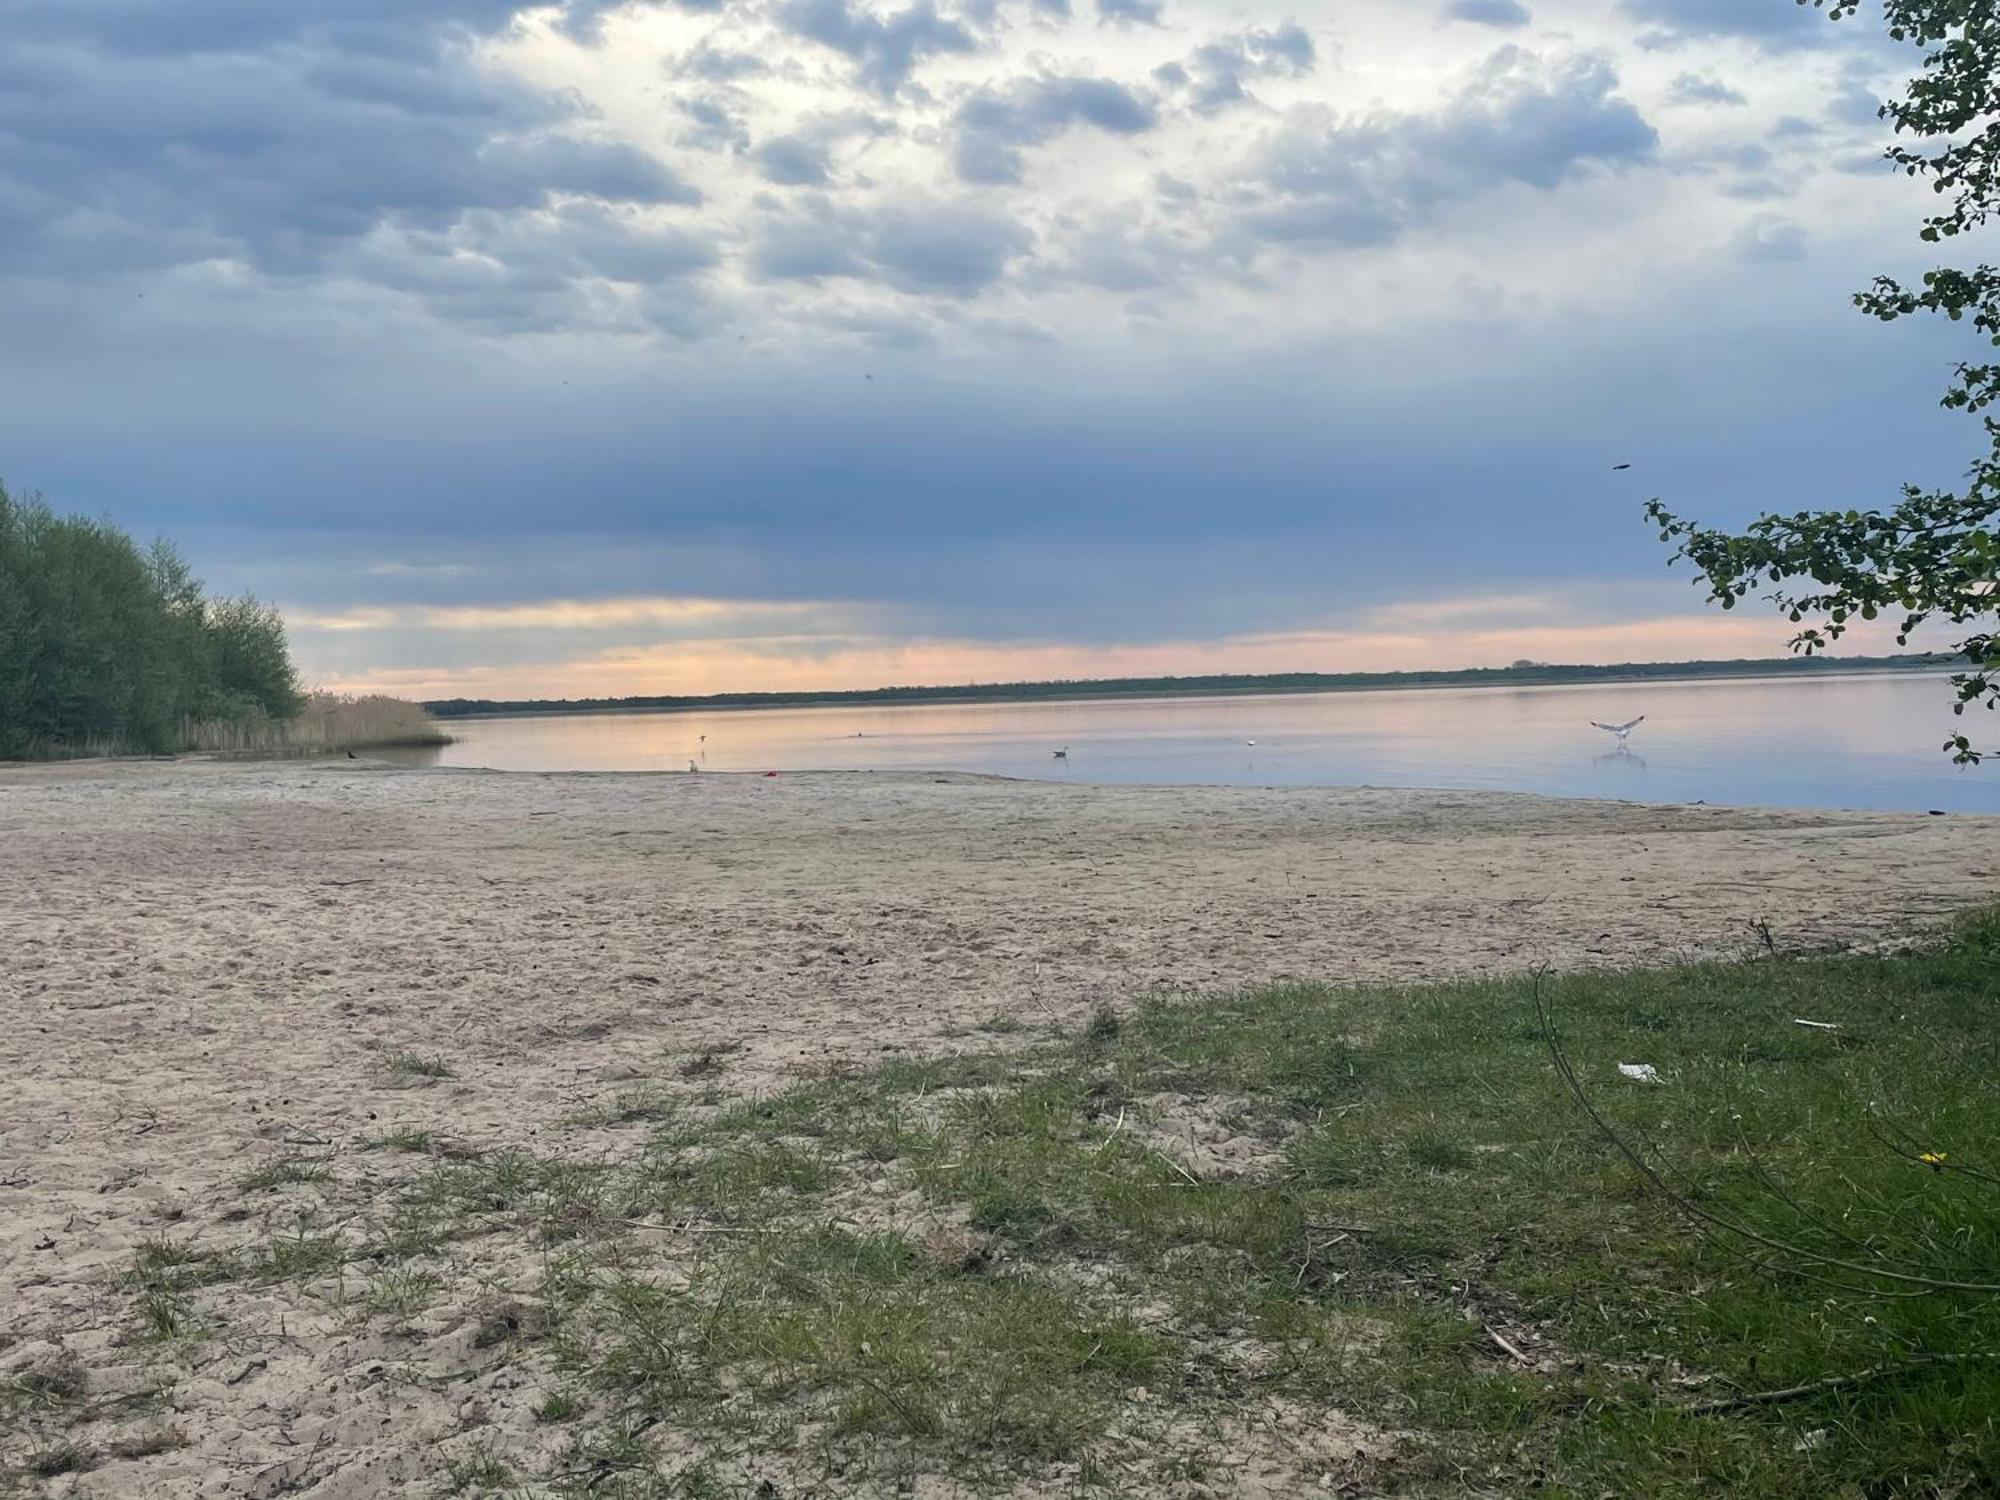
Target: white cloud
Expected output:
[695,615]
[508,169]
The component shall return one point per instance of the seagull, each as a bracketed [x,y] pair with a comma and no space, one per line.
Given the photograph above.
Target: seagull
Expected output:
[1063,754]
[1621,730]
[1619,468]
[1249,742]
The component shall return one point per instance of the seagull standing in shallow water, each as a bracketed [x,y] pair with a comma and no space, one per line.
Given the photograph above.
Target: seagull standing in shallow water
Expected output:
[1621,730]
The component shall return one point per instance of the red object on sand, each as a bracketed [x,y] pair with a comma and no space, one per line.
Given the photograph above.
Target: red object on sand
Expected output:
[770,773]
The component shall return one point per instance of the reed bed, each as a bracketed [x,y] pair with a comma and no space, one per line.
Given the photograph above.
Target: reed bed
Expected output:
[329,721]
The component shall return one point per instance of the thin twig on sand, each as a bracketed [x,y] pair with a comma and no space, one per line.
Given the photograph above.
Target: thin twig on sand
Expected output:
[1811,1388]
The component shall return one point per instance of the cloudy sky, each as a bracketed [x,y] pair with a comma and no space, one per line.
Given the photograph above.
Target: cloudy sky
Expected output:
[707,344]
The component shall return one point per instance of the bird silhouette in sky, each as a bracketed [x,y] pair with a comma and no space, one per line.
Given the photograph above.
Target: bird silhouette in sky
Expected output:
[1616,467]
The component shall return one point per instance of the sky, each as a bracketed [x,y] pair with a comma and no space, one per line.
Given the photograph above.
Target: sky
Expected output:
[705,345]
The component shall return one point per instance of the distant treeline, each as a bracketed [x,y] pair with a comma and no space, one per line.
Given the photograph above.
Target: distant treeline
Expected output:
[1522,673]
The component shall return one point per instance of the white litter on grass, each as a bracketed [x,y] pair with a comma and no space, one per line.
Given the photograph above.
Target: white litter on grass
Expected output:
[1816,1025]
[1641,1072]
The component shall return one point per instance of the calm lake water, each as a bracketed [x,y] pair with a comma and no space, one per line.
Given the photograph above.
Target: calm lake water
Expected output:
[1861,741]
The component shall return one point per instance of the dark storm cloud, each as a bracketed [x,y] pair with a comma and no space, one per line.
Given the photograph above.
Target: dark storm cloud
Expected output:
[803,156]
[584,239]
[1121,251]
[718,64]
[885,49]
[583,20]
[1365,182]
[1859,101]
[1129,12]
[1057,499]
[139,28]
[1505,14]
[793,161]
[994,125]
[1776,24]
[280,137]
[1213,74]
[956,251]
[805,248]
[530,169]
[715,128]
[1695,88]
[944,248]
[512,274]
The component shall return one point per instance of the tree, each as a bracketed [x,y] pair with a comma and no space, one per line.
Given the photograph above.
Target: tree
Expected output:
[104,645]
[1936,553]
[250,668]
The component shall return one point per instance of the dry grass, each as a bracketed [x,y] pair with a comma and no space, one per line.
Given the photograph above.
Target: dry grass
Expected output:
[329,721]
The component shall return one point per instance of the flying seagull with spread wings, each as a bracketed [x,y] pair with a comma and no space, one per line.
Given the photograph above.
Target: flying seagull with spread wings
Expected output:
[1621,730]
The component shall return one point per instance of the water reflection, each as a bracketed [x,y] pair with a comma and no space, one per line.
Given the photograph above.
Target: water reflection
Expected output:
[1855,741]
[1623,757]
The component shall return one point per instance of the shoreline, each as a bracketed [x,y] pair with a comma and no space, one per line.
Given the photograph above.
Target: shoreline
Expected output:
[944,775]
[948,774]
[923,697]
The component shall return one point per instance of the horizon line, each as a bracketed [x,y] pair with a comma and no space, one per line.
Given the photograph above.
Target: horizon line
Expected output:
[454,707]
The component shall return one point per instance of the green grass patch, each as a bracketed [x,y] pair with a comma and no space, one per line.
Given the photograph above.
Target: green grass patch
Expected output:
[417,1065]
[282,1171]
[401,1291]
[503,1192]
[1089,1257]
[630,1106]
[415,1142]
[60,1457]
[875,1339]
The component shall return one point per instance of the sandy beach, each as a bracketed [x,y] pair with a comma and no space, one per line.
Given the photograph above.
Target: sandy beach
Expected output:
[204,958]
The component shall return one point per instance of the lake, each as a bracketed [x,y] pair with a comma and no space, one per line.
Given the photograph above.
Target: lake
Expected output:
[1866,740]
